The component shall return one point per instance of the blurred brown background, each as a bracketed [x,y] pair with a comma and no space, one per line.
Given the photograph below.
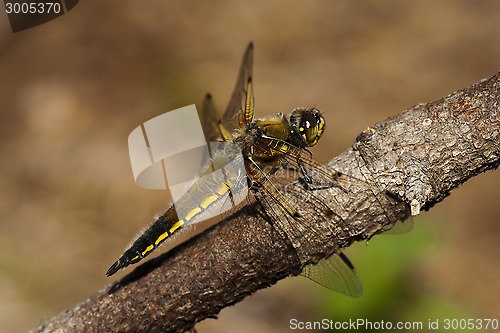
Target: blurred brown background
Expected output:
[74,88]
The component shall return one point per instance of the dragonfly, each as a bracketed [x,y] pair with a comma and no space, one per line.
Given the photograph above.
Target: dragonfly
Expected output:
[267,148]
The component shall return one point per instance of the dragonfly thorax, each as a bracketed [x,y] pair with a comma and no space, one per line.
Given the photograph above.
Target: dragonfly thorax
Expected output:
[307,126]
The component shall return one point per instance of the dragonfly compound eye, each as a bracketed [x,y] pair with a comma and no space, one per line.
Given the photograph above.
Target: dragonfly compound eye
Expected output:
[309,123]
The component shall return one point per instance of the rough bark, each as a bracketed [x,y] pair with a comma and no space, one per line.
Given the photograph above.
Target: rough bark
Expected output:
[420,154]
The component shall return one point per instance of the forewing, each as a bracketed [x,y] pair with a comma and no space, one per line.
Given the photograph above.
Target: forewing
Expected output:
[283,201]
[236,106]
[210,120]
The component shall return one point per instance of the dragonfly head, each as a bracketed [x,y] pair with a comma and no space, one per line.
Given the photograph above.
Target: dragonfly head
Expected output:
[307,127]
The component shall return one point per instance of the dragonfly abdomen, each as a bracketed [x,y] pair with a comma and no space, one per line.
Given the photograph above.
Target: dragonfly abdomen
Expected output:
[148,241]
[193,204]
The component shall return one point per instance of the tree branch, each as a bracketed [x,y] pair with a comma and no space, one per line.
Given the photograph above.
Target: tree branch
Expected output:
[420,154]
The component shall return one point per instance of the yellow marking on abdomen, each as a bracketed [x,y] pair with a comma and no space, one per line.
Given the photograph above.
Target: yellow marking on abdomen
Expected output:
[161,237]
[176,226]
[223,189]
[148,249]
[191,214]
[208,201]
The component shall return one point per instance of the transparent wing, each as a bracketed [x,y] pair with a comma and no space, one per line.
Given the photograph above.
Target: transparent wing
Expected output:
[336,273]
[282,201]
[283,207]
[315,176]
[210,120]
[242,96]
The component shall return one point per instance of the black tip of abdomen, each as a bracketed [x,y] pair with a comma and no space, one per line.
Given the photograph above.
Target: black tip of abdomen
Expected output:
[114,268]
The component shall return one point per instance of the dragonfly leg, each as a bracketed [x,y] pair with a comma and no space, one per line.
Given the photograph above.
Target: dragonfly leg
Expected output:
[309,184]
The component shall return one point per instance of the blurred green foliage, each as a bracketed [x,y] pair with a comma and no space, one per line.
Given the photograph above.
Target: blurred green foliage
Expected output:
[392,290]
